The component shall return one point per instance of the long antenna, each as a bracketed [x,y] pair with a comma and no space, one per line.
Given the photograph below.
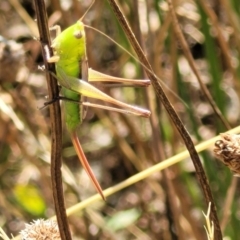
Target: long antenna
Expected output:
[87,10]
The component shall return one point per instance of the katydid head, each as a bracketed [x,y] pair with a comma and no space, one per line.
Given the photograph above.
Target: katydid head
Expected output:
[69,48]
[68,40]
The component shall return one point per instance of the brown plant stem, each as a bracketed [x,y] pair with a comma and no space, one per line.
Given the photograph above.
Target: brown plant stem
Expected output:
[157,143]
[173,115]
[56,125]
[226,52]
[200,175]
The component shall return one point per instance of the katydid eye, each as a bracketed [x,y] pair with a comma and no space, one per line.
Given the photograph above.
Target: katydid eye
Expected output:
[77,34]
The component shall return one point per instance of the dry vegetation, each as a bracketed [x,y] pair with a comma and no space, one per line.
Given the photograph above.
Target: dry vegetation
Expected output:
[166,205]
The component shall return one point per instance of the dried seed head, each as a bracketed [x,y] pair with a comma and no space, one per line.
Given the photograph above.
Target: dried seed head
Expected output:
[41,230]
[228,151]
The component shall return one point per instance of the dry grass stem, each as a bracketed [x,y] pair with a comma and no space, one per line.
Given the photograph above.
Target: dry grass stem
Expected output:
[210,227]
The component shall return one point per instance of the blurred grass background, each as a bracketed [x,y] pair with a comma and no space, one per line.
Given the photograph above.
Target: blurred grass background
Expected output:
[118,146]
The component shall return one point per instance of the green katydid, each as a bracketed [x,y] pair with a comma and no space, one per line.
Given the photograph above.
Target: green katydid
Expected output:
[73,74]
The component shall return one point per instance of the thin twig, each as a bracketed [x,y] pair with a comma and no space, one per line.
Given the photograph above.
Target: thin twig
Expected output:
[173,115]
[200,174]
[24,15]
[222,42]
[190,60]
[56,125]
[158,147]
[226,53]
[233,20]
[228,203]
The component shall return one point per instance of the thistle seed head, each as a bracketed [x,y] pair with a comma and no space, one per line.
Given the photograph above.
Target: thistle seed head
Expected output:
[227,149]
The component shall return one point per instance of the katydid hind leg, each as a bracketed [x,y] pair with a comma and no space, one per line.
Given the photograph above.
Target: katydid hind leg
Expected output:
[95,76]
[88,90]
